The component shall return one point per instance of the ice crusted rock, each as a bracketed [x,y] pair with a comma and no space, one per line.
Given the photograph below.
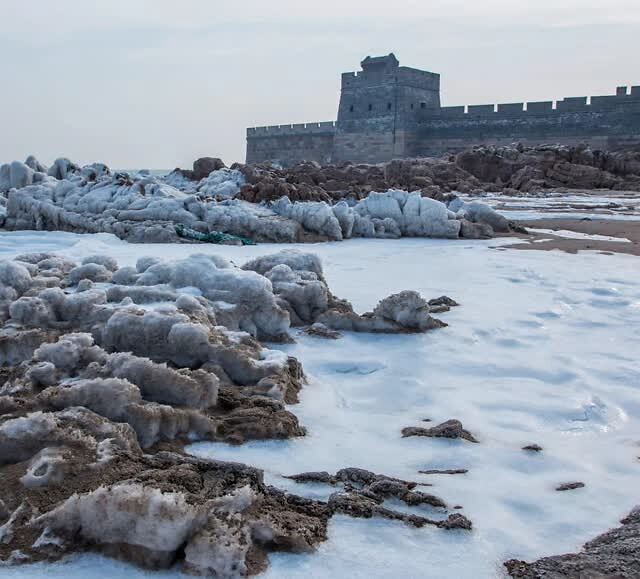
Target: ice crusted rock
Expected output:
[404,312]
[141,208]
[24,437]
[298,280]
[158,523]
[257,310]
[15,280]
[481,213]
[317,217]
[223,183]
[110,371]
[15,175]
[34,164]
[63,168]
[90,271]
[391,214]
[407,309]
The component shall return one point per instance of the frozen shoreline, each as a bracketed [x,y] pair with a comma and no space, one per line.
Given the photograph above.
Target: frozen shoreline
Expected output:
[559,332]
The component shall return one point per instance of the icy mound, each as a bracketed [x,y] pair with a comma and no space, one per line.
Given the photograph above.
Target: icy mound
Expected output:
[394,214]
[141,208]
[221,183]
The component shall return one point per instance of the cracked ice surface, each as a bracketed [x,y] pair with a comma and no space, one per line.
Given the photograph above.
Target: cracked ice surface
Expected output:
[542,350]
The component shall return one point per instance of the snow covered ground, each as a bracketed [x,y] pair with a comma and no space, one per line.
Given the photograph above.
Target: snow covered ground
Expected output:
[542,350]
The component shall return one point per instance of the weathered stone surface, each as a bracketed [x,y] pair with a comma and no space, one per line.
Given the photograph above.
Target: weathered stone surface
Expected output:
[394,112]
[449,429]
[611,555]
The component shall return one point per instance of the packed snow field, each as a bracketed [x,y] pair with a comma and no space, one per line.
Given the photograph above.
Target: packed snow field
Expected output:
[542,350]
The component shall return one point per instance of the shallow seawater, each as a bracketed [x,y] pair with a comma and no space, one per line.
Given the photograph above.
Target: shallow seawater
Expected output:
[543,349]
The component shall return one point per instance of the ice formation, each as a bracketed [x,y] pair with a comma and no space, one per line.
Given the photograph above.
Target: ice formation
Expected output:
[142,208]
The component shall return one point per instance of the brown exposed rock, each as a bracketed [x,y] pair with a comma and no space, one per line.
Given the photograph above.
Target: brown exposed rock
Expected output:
[205,165]
[449,429]
[527,169]
[611,555]
[201,168]
[533,448]
[570,486]
[364,493]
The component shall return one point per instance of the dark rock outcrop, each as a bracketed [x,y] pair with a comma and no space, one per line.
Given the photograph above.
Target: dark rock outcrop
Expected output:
[449,429]
[611,555]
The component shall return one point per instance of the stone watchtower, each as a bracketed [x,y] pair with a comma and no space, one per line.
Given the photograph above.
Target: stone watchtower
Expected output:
[388,111]
[379,107]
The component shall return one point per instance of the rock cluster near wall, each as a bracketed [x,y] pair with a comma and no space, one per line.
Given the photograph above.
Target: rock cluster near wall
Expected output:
[141,208]
[475,170]
[307,202]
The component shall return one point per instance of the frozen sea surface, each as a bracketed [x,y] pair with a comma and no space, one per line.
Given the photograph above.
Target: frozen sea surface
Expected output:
[543,349]
[549,204]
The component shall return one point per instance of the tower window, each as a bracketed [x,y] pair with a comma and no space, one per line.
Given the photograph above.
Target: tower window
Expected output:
[351,109]
[423,105]
[411,106]
[388,106]
[370,107]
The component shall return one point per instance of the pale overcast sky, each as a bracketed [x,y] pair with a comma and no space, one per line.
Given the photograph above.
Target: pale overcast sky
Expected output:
[157,83]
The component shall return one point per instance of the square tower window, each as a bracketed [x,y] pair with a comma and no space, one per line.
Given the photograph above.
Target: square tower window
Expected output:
[423,105]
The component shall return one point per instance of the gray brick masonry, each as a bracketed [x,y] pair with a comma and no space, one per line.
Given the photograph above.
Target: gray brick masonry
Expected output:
[390,111]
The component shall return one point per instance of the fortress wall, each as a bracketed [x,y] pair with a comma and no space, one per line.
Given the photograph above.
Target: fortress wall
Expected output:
[604,122]
[367,140]
[418,78]
[397,114]
[598,129]
[288,144]
[369,102]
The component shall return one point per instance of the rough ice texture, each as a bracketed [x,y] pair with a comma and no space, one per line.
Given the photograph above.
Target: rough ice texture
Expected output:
[141,208]
[106,381]
[127,513]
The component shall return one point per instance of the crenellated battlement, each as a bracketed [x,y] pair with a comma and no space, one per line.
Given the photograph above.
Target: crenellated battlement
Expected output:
[275,130]
[627,98]
[389,111]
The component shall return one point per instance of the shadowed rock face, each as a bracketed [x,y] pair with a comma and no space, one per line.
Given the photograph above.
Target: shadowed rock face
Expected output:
[364,492]
[613,555]
[106,372]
